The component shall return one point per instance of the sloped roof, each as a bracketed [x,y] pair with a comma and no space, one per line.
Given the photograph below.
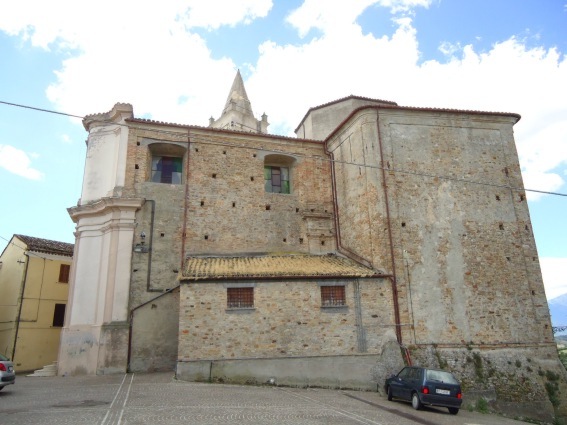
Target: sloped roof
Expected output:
[273,266]
[47,246]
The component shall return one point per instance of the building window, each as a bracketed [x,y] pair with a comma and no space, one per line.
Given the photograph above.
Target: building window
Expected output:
[58,315]
[64,270]
[333,296]
[240,297]
[276,179]
[166,169]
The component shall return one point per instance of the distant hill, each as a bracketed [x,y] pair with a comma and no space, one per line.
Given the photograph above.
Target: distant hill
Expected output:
[558,311]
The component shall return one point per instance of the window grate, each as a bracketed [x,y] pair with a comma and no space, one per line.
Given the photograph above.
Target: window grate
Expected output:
[240,297]
[333,296]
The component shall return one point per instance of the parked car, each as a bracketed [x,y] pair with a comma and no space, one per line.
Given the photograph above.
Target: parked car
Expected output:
[7,372]
[425,387]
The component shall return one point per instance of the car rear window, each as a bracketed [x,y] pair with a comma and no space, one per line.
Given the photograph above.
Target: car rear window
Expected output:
[441,376]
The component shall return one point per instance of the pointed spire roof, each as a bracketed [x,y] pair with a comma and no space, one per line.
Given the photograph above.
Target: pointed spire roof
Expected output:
[237,96]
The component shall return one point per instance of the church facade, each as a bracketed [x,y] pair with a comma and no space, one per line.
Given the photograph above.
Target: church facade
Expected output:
[380,235]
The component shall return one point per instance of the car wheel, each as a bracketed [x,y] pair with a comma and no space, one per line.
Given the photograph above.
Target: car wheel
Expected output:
[453,410]
[415,402]
[390,394]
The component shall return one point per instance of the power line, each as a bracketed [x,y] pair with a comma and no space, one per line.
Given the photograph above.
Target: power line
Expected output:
[208,140]
[40,109]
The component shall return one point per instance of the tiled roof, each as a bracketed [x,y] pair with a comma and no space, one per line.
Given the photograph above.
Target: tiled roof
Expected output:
[47,246]
[273,266]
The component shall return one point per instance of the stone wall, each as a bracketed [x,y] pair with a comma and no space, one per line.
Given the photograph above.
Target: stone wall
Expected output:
[287,322]
[464,253]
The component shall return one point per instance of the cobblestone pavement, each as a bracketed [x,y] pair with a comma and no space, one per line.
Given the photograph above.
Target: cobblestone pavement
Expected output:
[160,399]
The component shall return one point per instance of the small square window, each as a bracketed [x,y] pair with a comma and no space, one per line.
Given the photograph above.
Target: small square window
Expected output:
[59,315]
[64,270]
[240,297]
[166,169]
[333,296]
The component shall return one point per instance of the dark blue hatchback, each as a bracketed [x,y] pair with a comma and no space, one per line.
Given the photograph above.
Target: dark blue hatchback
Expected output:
[426,387]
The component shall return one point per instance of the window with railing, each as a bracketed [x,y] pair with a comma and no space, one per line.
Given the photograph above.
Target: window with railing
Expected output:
[333,296]
[240,297]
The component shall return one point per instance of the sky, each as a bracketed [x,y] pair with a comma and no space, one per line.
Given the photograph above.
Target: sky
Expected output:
[175,61]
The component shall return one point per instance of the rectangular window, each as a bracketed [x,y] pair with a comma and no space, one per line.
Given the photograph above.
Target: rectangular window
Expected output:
[240,297]
[64,270]
[59,315]
[333,296]
[166,169]
[276,179]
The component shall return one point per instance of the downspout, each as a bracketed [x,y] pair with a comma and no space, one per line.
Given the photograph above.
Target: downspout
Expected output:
[388,219]
[24,280]
[185,202]
[150,248]
[356,257]
[340,246]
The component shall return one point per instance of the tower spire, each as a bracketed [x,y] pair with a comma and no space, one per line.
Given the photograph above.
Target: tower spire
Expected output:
[237,96]
[237,113]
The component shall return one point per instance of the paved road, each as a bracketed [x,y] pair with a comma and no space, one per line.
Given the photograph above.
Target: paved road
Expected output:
[160,399]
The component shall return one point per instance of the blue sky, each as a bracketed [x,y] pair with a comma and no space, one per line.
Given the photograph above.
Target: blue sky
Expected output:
[176,61]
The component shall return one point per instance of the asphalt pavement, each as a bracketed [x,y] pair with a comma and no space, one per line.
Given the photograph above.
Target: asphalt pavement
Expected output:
[158,398]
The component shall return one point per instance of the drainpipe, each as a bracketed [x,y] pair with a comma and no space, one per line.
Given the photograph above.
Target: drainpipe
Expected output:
[340,246]
[151,248]
[185,202]
[24,280]
[393,277]
[356,257]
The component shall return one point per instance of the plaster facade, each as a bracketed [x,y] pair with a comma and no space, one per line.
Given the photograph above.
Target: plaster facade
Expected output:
[34,299]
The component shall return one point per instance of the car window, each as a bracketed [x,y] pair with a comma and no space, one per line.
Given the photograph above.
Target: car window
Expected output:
[404,373]
[3,358]
[441,376]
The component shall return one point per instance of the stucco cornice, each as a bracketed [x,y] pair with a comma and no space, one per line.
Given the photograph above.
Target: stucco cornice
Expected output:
[103,206]
[119,113]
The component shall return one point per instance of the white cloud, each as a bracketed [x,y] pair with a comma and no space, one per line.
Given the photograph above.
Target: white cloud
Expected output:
[212,14]
[554,275]
[151,60]
[18,162]
[338,16]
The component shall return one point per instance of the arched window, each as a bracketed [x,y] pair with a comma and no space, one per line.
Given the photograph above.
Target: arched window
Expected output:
[277,173]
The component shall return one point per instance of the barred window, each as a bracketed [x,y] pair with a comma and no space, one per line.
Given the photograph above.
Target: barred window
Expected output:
[333,296]
[64,270]
[240,297]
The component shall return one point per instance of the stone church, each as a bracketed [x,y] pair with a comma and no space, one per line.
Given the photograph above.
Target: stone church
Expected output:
[381,235]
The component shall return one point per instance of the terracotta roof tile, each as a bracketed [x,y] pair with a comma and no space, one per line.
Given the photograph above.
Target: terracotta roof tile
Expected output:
[271,266]
[47,246]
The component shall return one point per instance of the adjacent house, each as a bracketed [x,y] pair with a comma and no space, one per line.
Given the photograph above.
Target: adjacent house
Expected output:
[34,284]
[380,235]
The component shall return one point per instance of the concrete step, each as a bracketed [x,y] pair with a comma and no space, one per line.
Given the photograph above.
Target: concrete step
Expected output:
[48,370]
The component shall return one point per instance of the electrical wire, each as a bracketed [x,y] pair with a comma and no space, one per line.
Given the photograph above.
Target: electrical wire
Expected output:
[208,140]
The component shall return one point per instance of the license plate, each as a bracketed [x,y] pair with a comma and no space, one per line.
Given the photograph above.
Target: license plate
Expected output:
[444,392]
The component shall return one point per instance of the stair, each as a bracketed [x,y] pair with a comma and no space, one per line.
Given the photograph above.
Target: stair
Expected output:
[49,370]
